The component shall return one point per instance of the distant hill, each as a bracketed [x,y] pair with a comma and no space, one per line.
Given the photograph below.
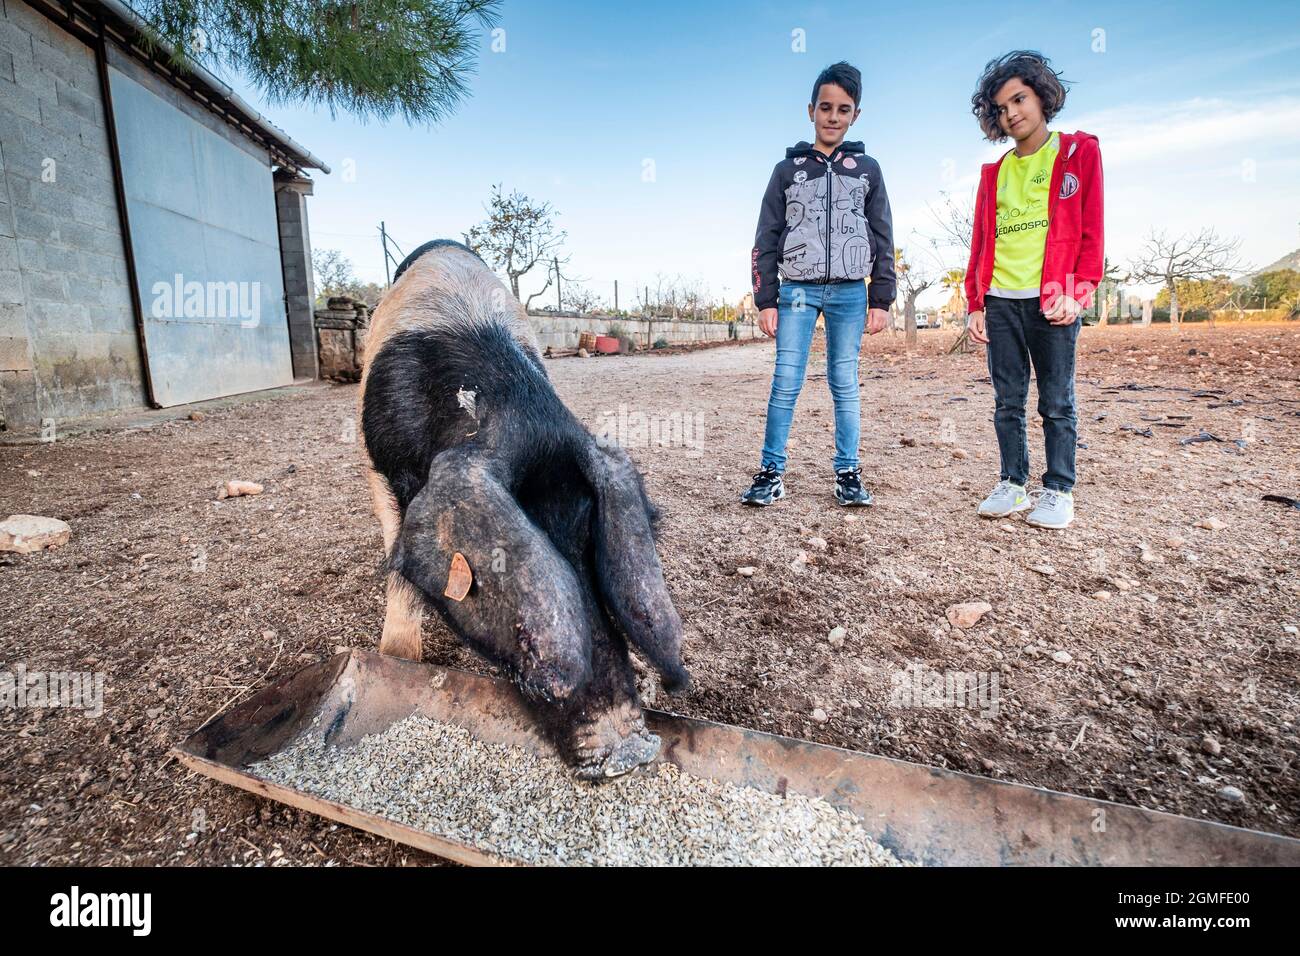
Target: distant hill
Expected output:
[1289,261]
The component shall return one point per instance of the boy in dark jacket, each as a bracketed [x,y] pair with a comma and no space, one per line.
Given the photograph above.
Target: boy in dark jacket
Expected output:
[1035,260]
[825,226]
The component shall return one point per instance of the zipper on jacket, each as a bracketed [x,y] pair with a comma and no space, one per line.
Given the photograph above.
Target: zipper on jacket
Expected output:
[1054,194]
[829,182]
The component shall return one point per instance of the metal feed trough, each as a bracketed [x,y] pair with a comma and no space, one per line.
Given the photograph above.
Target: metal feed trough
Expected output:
[923,814]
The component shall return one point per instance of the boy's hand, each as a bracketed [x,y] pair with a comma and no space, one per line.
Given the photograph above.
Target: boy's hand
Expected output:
[1063,311]
[975,325]
[767,322]
[877,321]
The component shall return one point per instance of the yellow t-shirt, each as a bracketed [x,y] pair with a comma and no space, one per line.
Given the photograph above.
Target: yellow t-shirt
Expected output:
[1023,184]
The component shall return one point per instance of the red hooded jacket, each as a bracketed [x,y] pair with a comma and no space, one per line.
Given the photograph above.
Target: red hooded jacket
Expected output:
[1074,250]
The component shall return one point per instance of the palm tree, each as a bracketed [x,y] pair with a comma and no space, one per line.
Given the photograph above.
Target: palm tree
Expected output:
[1111,276]
[954,280]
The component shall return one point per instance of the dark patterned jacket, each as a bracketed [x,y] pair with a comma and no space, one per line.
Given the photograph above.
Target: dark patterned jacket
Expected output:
[825,221]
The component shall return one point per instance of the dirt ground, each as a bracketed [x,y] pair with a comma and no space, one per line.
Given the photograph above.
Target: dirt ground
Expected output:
[188,603]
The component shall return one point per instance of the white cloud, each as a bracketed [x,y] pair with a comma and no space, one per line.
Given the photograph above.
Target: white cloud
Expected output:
[1192,128]
[1185,165]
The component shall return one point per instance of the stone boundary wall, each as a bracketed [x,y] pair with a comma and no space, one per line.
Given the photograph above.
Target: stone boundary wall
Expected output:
[561,332]
[341,334]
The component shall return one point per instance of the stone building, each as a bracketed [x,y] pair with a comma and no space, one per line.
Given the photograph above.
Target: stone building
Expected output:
[154,247]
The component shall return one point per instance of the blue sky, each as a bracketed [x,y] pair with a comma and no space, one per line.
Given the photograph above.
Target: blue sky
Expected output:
[1197,106]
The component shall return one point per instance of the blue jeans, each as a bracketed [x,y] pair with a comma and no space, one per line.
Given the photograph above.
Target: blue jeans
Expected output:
[1018,335]
[845,306]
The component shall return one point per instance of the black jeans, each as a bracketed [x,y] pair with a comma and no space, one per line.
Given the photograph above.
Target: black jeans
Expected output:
[1018,334]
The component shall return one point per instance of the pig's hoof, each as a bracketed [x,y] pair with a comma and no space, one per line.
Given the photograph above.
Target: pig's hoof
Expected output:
[612,744]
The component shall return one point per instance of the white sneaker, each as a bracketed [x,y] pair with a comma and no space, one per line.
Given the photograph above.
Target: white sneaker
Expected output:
[1055,509]
[1007,498]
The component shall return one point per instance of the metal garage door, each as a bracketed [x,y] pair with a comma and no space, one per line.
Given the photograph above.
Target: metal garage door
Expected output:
[206,246]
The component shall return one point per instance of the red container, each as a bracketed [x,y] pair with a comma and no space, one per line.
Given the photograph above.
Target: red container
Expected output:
[607,344]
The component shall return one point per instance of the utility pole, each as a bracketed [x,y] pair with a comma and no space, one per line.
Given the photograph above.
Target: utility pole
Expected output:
[615,296]
[559,300]
[383,239]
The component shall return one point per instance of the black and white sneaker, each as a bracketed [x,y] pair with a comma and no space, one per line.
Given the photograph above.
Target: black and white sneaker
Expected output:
[768,487]
[849,490]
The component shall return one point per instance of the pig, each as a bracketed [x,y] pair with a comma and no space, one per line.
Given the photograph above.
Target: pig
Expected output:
[535,543]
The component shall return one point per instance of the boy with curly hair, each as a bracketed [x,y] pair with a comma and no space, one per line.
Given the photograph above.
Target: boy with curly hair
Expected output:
[1035,260]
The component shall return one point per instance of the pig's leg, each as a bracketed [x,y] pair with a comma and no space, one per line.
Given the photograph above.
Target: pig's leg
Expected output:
[523,607]
[403,614]
[404,608]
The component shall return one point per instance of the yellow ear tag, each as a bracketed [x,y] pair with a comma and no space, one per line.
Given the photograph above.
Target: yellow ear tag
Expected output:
[459,578]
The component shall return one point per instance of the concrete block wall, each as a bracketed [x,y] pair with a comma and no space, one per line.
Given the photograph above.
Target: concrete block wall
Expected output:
[291,192]
[68,344]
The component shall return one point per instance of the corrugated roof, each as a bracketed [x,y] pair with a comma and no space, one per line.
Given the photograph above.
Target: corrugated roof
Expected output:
[116,20]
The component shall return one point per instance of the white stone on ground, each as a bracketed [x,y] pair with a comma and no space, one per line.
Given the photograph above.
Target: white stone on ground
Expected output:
[26,534]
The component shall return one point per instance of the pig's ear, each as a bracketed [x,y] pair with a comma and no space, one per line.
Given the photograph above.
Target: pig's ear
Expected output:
[627,568]
[497,580]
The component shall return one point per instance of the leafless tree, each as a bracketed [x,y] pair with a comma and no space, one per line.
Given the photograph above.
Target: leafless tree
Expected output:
[913,279]
[1202,255]
[555,273]
[675,296]
[580,299]
[334,277]
[694,297]
[954,221]
[949,241]
[333,270]
[1233,302]
[658,299]
[518,235]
